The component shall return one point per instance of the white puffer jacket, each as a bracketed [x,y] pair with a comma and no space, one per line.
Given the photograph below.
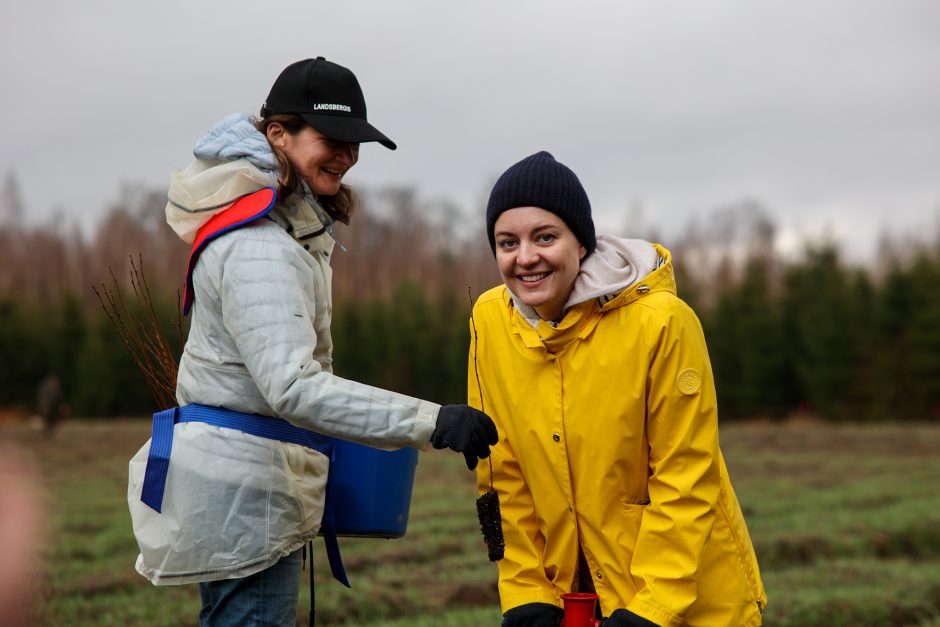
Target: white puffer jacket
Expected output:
[259,342]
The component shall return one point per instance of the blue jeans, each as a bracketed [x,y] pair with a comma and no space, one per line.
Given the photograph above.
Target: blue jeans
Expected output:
[265,599]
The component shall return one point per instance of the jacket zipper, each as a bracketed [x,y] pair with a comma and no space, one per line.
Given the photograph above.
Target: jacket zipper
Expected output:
[575,585]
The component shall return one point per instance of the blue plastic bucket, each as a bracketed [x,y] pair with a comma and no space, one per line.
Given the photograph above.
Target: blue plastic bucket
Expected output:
[371,489]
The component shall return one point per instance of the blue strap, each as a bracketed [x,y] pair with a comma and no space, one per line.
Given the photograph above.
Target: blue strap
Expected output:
[161,445]
[158,462]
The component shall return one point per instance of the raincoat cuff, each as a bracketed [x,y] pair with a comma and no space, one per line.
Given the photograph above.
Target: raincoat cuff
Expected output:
[532,595]
[654,613]
[425,421]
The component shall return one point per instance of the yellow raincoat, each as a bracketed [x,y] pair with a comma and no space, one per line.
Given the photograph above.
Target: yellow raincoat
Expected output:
[609,441]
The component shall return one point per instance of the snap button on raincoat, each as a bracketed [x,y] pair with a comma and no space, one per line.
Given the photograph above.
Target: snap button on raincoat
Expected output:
[609,442]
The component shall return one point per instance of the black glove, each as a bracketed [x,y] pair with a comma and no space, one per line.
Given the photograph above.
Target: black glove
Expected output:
[465,430]
[626,618]
[533,615]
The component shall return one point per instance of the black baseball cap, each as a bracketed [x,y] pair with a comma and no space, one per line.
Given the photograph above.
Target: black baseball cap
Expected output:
[328,97]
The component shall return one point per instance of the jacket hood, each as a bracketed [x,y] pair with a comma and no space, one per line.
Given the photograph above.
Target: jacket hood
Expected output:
[232,160]
[615,265]
[235,137]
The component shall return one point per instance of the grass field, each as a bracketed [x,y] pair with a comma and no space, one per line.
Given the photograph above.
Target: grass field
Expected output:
[846,521]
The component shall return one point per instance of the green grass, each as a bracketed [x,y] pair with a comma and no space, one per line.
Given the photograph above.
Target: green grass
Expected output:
[846,521]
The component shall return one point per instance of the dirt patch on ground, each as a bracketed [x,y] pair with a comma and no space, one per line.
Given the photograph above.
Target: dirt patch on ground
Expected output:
[814,436]
[79,447]
[793,552]
[920,541]
[99,583]
[473,594]
[416,554]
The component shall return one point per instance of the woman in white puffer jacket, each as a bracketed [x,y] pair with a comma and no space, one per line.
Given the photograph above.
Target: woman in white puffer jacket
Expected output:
[236,508]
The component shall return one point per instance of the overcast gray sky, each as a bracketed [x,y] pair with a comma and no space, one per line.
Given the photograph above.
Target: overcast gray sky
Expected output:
[827,112]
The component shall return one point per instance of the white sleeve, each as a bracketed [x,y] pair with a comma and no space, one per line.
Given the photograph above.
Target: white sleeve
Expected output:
[267,296]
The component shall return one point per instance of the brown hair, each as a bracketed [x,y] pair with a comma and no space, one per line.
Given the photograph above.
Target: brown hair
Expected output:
[340,206]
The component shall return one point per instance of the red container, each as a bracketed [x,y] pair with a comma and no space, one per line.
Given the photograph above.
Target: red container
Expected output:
[579,609]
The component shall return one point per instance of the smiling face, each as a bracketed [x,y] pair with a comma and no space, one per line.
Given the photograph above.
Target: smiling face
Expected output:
[538,257]
[321,161]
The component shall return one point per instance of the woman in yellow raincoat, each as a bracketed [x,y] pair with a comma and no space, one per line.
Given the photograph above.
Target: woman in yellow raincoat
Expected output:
[608,468]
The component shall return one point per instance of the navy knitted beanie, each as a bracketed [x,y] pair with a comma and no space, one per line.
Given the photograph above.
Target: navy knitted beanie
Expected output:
[540,181]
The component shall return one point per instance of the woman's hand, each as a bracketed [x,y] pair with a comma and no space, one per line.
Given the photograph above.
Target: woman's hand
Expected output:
[465,430]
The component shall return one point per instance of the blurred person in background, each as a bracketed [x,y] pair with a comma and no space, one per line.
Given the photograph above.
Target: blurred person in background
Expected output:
[258,205]
[608,470]
[50,404]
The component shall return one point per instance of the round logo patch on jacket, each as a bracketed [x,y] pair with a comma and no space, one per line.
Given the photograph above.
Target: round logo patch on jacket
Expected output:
[689,381]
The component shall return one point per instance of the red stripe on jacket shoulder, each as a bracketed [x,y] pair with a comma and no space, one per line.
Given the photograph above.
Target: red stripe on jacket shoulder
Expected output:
[243,211]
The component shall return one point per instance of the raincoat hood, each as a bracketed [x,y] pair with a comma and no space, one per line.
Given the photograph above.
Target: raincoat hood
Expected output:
[235,137]
[615,265]
[233,160]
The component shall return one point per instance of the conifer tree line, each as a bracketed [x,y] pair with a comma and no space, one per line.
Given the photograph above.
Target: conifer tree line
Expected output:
[808,333]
